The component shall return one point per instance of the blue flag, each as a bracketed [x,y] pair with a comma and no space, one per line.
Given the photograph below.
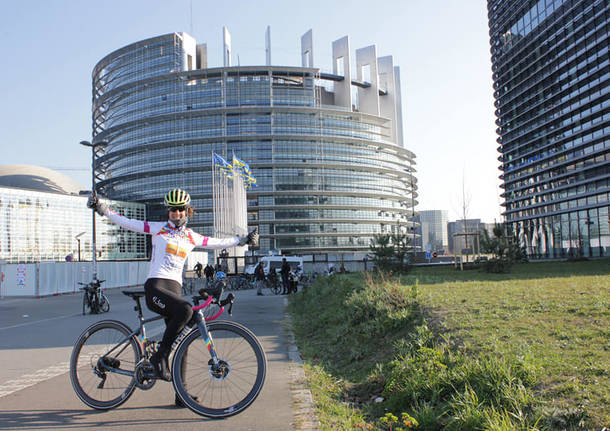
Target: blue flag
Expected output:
[221,164]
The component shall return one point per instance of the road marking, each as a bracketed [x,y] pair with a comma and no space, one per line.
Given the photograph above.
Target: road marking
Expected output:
[38,321]
[28,380]
[39,376]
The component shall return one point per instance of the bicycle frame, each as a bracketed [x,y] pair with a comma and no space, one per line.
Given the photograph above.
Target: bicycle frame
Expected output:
[201,324]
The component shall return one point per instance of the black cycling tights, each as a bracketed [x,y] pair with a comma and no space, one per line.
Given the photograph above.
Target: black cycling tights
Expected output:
[163,296]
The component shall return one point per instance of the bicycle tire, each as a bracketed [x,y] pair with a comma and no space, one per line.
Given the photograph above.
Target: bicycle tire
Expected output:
[95,304]
[88,350]
[220,396]
[85,302]
[104,303]
[276,288]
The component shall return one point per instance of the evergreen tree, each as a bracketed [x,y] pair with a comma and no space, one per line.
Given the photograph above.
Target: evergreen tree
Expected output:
[390,251]
[503,248]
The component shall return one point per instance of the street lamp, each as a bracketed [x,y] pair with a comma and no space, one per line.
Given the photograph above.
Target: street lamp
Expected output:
[78,239]
[94,147]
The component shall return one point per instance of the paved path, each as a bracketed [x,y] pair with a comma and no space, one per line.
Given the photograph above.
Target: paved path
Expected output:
[36,338]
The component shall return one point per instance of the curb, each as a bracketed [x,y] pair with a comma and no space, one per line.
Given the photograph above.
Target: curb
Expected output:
[305,418]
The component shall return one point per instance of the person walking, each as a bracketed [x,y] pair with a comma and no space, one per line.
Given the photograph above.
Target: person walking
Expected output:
[208,271]
[198,267]
[172,242]
[285,272]
[259,275]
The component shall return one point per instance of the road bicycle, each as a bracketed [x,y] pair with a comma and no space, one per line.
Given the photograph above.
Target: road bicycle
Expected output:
[94,299]
[218,367]
[273,283]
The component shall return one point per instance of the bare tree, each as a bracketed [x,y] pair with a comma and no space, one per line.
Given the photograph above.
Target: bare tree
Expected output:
[462,211]
[466,198]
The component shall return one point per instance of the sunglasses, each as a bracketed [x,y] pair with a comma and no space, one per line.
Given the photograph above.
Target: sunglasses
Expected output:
[174,209]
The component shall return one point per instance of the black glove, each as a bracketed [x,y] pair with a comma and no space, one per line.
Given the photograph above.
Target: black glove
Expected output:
[250,239]
[94,203]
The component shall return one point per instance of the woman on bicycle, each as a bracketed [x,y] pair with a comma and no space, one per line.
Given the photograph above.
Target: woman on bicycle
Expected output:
[172,242]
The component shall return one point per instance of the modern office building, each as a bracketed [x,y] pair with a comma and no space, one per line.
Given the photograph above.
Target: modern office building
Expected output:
[433,225]
[551,74]
[326,148]
[44,218]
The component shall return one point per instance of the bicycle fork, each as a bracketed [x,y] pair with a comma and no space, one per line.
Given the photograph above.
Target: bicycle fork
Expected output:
[219,369]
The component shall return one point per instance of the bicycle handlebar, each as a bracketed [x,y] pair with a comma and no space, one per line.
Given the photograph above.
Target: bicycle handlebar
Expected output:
[91,283]
[204,295]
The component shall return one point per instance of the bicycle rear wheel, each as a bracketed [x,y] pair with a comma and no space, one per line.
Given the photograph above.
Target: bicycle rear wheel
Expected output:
[232,387]
[100,355]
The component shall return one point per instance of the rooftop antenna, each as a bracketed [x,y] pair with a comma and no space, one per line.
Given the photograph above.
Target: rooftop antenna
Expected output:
[191,17]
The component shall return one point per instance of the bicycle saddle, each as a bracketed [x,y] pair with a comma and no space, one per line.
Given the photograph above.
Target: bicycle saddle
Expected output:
[134,293]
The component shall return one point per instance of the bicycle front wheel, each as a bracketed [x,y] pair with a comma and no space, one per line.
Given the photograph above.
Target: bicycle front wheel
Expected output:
[276,288]
[104,303]
[102,364]
[229,388]
[85,302]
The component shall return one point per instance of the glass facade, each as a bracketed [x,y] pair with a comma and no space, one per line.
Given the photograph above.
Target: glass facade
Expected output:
[551,73]
[328,178]
[39,226]
[433,225]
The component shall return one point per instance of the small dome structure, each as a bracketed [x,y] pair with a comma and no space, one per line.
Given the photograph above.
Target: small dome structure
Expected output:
[37,178]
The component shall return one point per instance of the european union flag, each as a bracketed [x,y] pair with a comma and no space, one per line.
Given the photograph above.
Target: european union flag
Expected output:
[243,169]
[221,164]
[240,164]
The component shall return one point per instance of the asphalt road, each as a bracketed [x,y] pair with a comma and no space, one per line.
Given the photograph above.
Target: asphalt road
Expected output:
[36,339]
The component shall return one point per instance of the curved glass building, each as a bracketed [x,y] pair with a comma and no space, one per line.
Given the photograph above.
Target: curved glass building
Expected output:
[326,149]
[551,75]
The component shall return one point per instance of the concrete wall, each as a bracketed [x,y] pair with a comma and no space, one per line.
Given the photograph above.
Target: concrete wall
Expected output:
[52,278]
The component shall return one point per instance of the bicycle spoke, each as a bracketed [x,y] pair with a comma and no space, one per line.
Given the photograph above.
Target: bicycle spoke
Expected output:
[95,354]
[238,380]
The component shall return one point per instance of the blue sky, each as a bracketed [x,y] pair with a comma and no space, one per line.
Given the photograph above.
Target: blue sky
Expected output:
[49,49]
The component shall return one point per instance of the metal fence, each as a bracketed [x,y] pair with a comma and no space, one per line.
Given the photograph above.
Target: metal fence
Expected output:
[53,278]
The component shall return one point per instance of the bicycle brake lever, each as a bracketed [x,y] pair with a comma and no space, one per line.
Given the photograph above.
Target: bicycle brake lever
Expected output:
[228,300]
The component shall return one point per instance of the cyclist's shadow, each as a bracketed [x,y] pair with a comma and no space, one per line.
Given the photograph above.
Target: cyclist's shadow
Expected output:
[86,418]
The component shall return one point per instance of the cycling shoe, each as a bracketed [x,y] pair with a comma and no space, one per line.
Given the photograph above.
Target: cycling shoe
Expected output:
[161,367]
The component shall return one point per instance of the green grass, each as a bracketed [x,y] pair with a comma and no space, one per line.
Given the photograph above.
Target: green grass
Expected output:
[460,350]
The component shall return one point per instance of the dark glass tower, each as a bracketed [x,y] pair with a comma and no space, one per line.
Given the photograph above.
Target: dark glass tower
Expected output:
[551,74]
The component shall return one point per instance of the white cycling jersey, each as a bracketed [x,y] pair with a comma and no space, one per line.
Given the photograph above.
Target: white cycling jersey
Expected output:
[170,245]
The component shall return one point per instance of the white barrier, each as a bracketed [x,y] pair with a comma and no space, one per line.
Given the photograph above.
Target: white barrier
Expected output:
[53,278]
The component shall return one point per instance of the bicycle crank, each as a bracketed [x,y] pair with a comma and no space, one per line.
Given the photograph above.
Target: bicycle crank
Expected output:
[144,375]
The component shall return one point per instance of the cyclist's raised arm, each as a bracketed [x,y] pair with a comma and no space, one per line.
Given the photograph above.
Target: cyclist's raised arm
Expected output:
[219,243]
[134,225]
[214,243]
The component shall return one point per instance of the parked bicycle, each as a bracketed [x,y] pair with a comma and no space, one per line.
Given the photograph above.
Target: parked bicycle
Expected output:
[218,368]
[94,300]
[273,282]
[240,282]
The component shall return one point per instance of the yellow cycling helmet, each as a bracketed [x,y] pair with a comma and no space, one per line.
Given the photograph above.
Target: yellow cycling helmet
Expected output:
[177,198]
